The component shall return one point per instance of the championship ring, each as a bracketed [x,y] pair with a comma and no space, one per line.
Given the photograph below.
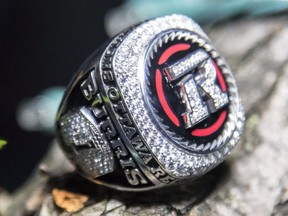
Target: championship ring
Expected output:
[154,106]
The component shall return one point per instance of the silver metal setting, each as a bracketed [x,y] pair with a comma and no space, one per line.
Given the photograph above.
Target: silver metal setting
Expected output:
[111,124]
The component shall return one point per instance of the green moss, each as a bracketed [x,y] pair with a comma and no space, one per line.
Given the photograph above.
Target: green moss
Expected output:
[2,143]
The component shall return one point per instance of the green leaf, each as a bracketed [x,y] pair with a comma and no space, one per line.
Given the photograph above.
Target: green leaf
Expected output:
[2,143]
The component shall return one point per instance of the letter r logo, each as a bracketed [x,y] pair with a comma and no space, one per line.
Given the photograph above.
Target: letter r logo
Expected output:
[194,78]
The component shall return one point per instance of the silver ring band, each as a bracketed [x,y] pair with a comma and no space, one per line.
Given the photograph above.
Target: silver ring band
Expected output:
[155,106]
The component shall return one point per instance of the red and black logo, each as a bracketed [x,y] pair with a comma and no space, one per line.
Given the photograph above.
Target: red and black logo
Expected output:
[186,89]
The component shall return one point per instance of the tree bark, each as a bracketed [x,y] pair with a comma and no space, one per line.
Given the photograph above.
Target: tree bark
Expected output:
[253,181]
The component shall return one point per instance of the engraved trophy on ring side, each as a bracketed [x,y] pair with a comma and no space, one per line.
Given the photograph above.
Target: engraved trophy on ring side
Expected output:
[155,106]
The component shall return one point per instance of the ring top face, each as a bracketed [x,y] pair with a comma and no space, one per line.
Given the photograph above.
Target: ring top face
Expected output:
[181,94]
[157,105]
[186,91]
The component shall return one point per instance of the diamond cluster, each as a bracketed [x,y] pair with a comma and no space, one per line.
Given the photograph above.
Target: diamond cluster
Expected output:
[219,98]
[75,129]
[92,153]
[195,110]
[129,67]
[94,163]
[187,64]
[205,77]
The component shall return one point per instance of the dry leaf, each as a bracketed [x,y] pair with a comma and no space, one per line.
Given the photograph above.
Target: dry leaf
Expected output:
[68,201]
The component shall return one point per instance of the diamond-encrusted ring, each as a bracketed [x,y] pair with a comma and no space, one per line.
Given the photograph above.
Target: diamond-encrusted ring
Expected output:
[157,105]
